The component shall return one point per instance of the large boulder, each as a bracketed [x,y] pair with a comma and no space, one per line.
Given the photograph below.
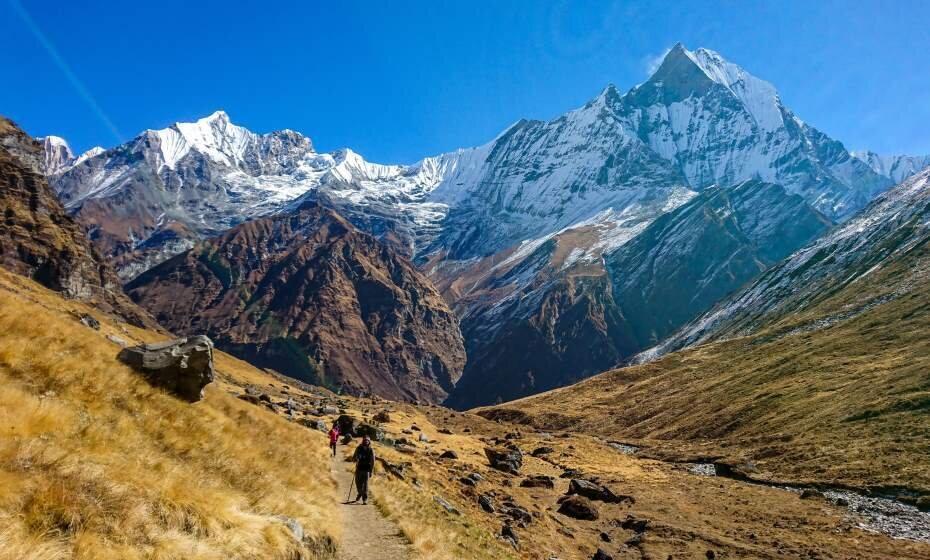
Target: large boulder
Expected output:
[538,481]
[504,459]
[347,425]
[183,366]
[578,507]
[594,491]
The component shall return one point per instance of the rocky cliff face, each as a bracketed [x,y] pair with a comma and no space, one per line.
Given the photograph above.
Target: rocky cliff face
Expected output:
[691,258]
[39,240]
[889,230]
[309,295]
[556,314]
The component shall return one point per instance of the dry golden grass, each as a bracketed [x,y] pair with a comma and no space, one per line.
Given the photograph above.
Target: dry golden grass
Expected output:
[95,463]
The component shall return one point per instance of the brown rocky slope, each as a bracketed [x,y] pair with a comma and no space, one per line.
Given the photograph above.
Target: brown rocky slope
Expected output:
[309,295]
[39,240]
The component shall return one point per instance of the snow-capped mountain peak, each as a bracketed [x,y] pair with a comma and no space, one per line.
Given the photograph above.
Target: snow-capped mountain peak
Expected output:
[214,136]
[58,154]
[760,97]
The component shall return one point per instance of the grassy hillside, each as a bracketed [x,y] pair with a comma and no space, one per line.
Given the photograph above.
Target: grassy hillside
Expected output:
[839,393]
[97,464]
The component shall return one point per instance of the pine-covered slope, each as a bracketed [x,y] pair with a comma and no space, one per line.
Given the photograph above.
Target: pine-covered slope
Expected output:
[308,295]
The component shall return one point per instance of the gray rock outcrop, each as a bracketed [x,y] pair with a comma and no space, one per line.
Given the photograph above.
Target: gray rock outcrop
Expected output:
[183,366]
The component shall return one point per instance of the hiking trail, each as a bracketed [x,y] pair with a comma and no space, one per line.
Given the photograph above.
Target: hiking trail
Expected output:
[366,533]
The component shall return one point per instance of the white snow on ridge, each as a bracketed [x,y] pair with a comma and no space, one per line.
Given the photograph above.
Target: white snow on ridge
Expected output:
[214,136]
[759,97]
[896,167]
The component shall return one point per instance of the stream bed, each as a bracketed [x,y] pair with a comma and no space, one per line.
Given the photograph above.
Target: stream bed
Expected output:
[878,514]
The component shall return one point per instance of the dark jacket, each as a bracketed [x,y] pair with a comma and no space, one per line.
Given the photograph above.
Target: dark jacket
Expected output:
[364,458]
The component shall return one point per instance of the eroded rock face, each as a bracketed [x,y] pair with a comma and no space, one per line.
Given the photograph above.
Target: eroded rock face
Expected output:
[183,366]
[39,240]
[310,296]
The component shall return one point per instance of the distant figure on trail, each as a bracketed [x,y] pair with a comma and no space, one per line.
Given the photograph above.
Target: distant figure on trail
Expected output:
[364,458]
[334,437]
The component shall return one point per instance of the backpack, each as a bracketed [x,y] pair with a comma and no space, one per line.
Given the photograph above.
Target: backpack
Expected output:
[365,458]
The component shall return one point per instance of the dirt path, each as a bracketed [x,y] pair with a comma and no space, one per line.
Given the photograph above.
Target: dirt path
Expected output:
[366,534]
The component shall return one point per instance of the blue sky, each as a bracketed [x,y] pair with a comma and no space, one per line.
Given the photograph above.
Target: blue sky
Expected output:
[397,80]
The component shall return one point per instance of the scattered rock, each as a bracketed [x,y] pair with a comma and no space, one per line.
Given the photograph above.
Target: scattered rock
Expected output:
[809,493]
[90,322]
[249,398]
[604,537]
[449,454]
[398,470]
[376,434]
[710,555]
[516,513]
[468,481]
[486,503]
[502,459]
[538,481]
[508,533]
[601,555]
[329,410]
[297,530]
[445,431]
[632,523]
[570,473]
[346,439]
[405,448]
[313,424]
[183,366]
[415,428]
[264,398]
[597,492]
[423,438]
[446,505]
[117,340]
[382,417]
[540,451]
[475,476]
[577,507]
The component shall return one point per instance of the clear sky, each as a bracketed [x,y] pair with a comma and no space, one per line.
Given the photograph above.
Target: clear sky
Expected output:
[397,80]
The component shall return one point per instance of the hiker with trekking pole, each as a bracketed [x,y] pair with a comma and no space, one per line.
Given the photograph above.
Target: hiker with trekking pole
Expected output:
[364,458]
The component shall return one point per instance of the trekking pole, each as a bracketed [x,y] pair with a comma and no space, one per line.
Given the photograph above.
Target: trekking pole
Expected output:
[349,495]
